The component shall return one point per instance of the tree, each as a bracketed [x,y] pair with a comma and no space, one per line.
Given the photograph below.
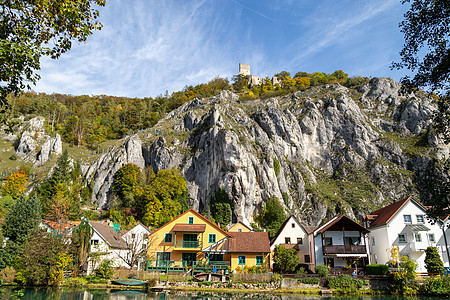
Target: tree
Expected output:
[126,183]
[221,208]
[433,261]
[31,29]
[403,281]
[284,260]
[272,216]
[15,184]
[81,242]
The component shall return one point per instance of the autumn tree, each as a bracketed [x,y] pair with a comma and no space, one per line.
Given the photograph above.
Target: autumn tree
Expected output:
[15,184]
[32,29]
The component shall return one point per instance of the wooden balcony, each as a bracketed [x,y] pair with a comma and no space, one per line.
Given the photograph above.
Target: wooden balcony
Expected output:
[344,249]
[188,244]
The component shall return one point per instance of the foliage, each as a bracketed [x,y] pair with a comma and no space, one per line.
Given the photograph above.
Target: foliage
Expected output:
[31,29]
[7,275]
[81,242]
[433,261]
[345,284]
[276,166]
[321,270]
[284,260]
[377,270]
[272,216]
[221,208]
[43,259]
[15,184]
[5,203]
[255,269]
[309,280]
[125,184]
[22,218]
[436,286]
[403,282]
[105,270]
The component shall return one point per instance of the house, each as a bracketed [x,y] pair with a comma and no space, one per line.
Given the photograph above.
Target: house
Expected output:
[339,242]
[136,240]
[294,235]
[403,229]
[59,227]
[239,227]
[192,241]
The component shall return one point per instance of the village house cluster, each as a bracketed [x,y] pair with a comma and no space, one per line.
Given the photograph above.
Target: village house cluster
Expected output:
[192,242]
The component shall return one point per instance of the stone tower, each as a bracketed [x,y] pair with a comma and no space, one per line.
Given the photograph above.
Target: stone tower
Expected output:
[244,69]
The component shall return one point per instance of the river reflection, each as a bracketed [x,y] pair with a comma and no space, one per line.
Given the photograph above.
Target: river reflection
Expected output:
[68,294]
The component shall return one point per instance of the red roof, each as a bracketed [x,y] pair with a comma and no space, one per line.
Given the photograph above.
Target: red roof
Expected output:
[383,215]
[189,228]
[249,242]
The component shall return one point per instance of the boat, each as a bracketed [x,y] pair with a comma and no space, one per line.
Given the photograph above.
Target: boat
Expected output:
[131,282]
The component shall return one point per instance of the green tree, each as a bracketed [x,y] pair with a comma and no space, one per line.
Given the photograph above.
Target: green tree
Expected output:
[403,282]
[272,216]
[221,208]
[31,29]
[433,261]
[125,184]
[284,260]
[81,242]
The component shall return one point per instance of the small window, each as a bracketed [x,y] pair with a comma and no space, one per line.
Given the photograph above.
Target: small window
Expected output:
[94,242]
[402,238]
[431,237]
[287,240]
[168,238]
[293,225]
[419,218]
[191,220]
[241,259]
[300,241]
[133,235]
[418,237]
[212,238]
[307,258]
[407,219]
[373,241]
[239,229]
[328,241]
[259,260]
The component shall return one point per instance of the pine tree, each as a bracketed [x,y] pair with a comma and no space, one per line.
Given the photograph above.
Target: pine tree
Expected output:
[433,261]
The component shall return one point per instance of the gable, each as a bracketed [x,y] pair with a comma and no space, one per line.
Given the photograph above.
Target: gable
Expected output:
[385,214]
[286,229]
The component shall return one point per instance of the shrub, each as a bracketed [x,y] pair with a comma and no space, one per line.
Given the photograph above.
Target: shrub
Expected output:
[345,284]
[8,274]
[433,261]
[309,280]
[436,287]
[276,166]
[105,270]
[321,270]
[377,270]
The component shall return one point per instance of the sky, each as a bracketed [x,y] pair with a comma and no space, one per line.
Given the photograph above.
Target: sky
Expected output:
[148,47]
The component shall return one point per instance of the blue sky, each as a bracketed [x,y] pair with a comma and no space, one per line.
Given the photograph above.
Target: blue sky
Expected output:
[147,47]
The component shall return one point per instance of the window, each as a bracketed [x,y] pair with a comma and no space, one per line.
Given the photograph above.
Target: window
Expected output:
[241,259]
[402,238]
[328,241]
[212,238]
[259,260]
[407,218]
[239,229]
[133,236]
[419,218]
[287,240]
[168,238]
[307,258]
[191,220]
[293,225]
[418,237]
[94,242]
[373,241]
[431,237]
[300,241]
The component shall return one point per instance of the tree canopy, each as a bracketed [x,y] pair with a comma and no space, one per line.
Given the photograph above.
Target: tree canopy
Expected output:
[31,29]
[272,216]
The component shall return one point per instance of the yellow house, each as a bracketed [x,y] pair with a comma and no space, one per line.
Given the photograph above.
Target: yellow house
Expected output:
[179,243]
[240,227]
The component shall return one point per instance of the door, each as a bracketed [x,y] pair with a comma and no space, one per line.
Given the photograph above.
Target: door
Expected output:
[190,241]
[162,259]
[189,258]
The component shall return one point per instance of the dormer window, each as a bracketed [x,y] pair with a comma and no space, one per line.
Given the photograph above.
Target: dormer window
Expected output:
[407,219]
[191,220]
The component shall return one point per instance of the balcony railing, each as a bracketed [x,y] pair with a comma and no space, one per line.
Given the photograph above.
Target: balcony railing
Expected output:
[344,249]
[188,244]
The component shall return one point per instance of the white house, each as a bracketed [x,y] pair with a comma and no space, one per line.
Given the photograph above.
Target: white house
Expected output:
[294,235]
[136,239]
[404,227]
[338,243]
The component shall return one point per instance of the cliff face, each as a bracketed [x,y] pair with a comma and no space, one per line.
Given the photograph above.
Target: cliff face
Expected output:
[321,151]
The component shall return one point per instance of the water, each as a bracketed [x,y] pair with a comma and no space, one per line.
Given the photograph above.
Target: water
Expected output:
[71,294]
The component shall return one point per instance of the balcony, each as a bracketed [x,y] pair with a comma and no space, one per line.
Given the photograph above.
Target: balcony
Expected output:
[188,244]
[418,246]
[344,249]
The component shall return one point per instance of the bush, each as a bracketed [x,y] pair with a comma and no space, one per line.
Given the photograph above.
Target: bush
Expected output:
[8,274]
[433,261]
[377,270]
[436,287]
[309,280]
[321,270]
[345,284]
[105,270]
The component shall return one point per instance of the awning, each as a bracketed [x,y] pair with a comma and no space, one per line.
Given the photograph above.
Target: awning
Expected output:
[417,227]
[351,255]
[189,228]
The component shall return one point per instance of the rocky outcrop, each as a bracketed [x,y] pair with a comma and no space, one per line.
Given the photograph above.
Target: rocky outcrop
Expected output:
[338,150]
